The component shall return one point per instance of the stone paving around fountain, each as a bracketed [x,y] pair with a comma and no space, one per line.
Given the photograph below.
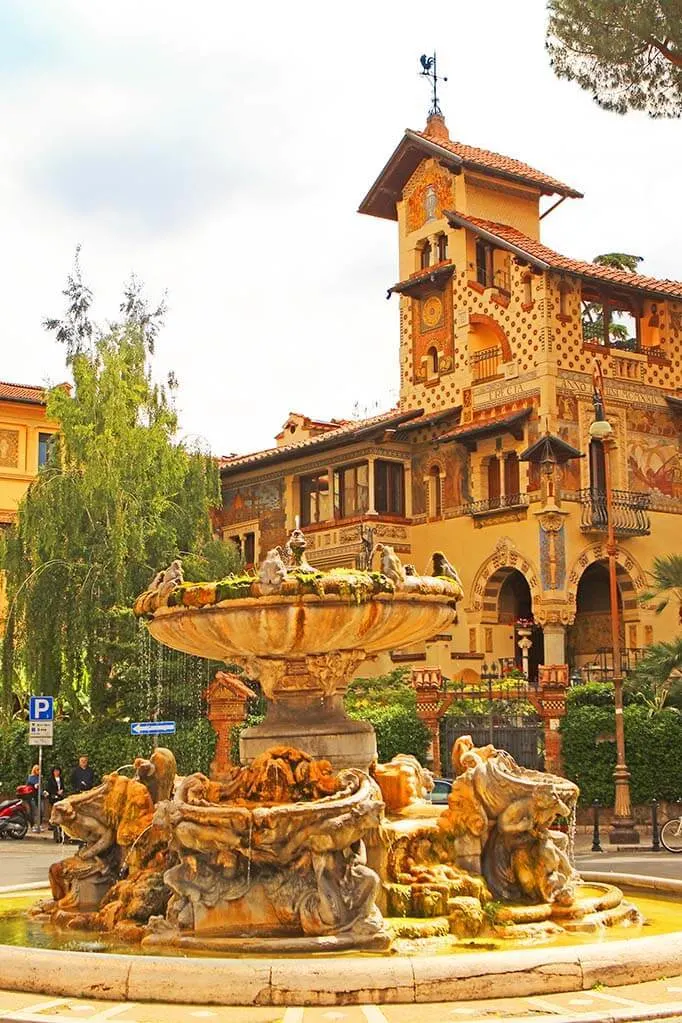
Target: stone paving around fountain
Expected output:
[654,1000]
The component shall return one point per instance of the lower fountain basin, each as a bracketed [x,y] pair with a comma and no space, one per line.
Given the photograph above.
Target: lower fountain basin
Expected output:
[427,970]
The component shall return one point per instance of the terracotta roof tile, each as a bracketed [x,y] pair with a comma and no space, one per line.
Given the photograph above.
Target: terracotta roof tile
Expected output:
[554,259]
[505,165]
[22,392]
[340,433]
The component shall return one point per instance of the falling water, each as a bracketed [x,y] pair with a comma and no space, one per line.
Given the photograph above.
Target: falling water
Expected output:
[572,826]
[248,861]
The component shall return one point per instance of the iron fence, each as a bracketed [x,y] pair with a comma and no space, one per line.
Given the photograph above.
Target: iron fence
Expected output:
[630,512]
[485,364]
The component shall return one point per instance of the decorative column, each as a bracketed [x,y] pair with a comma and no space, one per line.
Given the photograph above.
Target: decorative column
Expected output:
[371,507]
[555,643]
[524,644]
[227,696]
[550,702]
[432,703]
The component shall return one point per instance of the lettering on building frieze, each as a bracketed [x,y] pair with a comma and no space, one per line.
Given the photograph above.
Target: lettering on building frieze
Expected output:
[498,393]
[627,392]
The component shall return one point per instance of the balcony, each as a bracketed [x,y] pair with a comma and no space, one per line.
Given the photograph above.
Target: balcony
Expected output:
[630,512]
[485,365]
[492,505]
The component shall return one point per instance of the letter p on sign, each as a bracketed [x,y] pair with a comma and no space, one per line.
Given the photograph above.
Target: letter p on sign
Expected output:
[41,708]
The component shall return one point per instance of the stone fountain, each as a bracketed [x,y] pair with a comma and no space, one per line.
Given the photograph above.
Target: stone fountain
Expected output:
[312,845]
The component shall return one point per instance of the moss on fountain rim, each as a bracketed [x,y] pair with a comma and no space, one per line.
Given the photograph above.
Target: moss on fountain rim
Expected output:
[354,586]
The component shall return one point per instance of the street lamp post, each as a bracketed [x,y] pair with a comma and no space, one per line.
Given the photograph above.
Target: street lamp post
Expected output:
[622,831]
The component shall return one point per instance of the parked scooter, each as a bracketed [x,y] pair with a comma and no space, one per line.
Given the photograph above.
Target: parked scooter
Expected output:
[15,816]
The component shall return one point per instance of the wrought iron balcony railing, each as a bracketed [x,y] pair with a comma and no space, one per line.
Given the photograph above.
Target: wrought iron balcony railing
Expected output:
[485,364]
[630,512]
[493,504]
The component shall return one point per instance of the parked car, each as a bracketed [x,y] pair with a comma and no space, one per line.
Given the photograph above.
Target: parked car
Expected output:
[441,790]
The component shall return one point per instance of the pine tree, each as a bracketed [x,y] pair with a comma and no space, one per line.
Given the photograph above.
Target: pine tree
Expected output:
[119,498]
[627,53]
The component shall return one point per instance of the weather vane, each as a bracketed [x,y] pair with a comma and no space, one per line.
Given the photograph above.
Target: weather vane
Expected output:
[429,70]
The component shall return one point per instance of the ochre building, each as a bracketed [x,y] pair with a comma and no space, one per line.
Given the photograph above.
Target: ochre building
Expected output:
[488,455]
[25,435]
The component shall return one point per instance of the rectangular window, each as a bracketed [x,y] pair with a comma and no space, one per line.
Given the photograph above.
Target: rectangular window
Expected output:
[351,491]
[389,487]
[249,548]
[45,442]
[483,264]
[314,495]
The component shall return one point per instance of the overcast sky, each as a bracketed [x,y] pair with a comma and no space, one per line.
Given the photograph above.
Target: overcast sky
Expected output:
[220,151]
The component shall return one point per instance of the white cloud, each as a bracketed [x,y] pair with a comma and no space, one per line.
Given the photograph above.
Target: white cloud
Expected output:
[221,150]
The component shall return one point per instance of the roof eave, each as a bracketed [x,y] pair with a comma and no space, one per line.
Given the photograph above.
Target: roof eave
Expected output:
[325,443]
[456,220]
[372,204]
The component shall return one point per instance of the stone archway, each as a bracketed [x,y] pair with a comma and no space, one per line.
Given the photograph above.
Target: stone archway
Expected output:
[589,636]
[629,574]
[488,581]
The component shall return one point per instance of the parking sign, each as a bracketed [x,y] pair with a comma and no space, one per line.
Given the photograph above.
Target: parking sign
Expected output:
[41,708]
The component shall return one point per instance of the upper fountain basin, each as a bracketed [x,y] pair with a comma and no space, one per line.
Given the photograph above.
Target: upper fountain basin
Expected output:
[293,626]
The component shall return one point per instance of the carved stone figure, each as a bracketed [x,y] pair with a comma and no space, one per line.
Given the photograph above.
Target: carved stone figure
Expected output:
[441,566]
[391,565]
[404,784]
[522,857]
[272,572]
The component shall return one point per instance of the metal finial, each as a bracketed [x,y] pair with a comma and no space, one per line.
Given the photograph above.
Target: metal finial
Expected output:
[429,70]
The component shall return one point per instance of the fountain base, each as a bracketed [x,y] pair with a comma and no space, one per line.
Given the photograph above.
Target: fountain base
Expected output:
[319,725]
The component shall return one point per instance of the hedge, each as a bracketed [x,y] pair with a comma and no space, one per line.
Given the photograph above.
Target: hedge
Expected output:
[108,744]
[653,745]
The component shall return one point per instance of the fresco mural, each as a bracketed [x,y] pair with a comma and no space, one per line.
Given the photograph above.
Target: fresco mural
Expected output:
[654,453]
[262,501]
[568,430]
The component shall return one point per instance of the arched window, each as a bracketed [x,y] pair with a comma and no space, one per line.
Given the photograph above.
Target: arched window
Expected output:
[494,482]
[528,289]
[512,484]
[425,255]
[442,247]
[435,492]
[432,363]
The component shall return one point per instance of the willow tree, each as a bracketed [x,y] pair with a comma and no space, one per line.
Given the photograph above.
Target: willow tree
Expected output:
[627,53]
[119,498]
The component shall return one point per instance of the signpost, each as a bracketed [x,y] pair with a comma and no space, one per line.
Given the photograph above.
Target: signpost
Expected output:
[152,727]
[40,733]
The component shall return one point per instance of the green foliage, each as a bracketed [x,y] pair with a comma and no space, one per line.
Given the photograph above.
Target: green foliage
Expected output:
[619,261]
[627,53]
[652,742]
[591,694]
[666,578]
[390,703]
[108,744]
[657,678]
[119,499]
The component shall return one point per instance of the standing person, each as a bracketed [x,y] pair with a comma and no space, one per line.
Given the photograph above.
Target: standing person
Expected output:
[34,781]
[82,776]
[54,790]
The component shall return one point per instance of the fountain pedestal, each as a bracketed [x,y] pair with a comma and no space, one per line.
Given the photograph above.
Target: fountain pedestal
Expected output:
[316,723]
[305,708]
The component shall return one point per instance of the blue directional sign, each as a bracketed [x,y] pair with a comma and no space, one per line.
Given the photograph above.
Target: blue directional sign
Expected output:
[152,727]
[41,708]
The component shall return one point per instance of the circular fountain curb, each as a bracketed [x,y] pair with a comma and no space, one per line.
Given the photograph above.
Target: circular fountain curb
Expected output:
[333,981]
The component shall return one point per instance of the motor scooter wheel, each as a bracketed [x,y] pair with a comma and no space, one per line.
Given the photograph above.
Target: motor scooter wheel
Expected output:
[17,829]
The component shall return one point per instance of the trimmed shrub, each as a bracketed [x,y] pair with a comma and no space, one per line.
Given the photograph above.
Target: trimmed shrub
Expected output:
[652,742]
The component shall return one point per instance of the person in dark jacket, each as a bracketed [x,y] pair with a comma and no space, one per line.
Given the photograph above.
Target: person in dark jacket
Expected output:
[53,792]
[82,776]
[54,786]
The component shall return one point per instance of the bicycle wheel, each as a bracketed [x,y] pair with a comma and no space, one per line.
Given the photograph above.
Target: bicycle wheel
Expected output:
[671,835]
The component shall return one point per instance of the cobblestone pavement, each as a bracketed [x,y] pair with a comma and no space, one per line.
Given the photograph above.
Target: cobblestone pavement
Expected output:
[654,1000]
